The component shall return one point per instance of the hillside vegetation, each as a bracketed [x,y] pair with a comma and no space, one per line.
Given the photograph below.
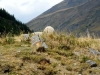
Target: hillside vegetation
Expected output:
[66,55]
[8,24]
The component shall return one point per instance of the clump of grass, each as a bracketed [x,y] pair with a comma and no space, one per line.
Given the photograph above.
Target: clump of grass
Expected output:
[8,68]
[63,41]
[22,54]
[63,63]
[69,42]
[84,59]
[60,50]
[64,53]
[69,68]
[63,47]
[27,59]
[32,58]
[9,40]
[58,58]
[41,67]
[50,70]
[54,65]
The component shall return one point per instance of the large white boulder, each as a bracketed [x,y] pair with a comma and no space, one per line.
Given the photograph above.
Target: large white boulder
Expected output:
[49,30]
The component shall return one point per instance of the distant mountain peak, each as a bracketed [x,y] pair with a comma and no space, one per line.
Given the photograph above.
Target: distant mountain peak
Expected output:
[74,16]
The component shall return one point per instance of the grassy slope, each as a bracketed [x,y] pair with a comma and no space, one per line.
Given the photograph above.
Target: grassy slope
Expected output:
[59,59]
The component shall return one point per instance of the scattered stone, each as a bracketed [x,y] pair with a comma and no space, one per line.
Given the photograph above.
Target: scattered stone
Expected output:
[25,37]
[91,63]
[94,51]
[99,58]
[6,69]
[36,40]
[44,45]
[75,64]
[77,53]
[18,51]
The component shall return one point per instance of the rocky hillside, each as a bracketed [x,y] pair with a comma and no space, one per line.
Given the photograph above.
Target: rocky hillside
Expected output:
[9,24]
[65,4]
[74,16]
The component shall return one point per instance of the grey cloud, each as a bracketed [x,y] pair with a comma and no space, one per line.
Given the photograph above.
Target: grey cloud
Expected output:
[25,3]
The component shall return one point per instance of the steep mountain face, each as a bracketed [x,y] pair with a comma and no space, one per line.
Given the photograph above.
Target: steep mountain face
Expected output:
[65,4]
[74,16]
[8,24]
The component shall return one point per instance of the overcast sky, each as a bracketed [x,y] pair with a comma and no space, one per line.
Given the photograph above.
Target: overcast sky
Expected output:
[26,10]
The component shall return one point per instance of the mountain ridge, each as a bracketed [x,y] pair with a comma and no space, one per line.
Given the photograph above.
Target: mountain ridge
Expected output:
[65,4]
[76,19]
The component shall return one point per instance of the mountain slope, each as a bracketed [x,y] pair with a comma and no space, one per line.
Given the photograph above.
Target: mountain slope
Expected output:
[65,4]
[76,19]
[8,24]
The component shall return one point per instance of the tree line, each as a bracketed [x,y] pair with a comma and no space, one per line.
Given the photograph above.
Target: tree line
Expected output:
[9,24]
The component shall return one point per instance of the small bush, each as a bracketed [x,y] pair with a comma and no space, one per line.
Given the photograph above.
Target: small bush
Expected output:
[9,40]
[64,47]
[69,68]
[65,53]
[84,59]
[58,58]
[27,58]
[54,65]
[50,71]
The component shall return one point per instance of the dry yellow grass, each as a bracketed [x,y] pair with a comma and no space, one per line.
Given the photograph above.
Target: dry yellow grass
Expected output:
[21,58]
[18,38]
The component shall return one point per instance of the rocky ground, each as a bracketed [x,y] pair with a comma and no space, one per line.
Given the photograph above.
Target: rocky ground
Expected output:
[18,59]
[62,57]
